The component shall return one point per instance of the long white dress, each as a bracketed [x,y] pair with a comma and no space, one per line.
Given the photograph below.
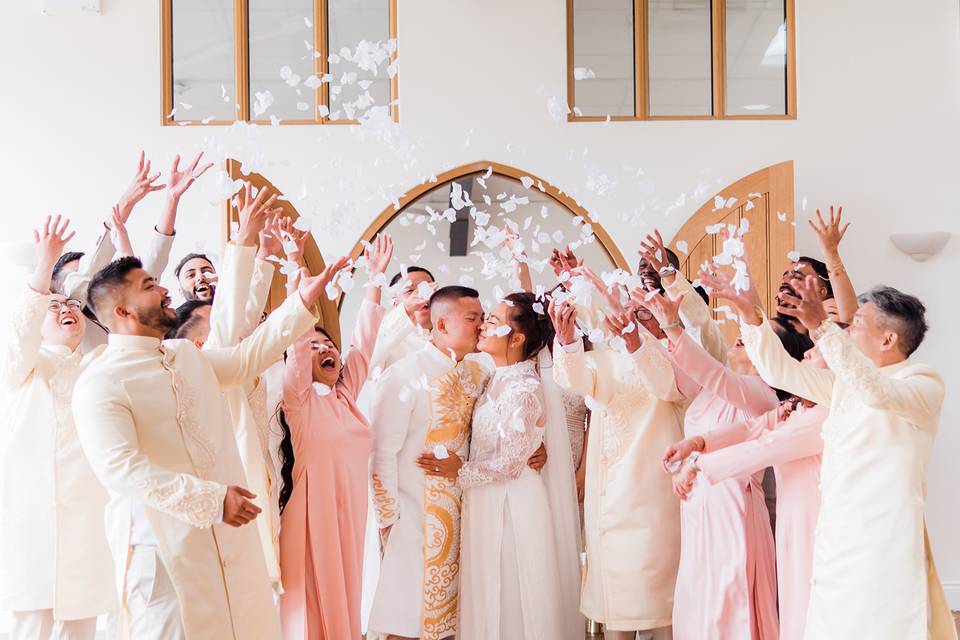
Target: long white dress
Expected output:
[509,578]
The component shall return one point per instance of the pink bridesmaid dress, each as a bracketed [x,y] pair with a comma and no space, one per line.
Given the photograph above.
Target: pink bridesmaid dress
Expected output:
[727,585]
[322,527]
[792,447]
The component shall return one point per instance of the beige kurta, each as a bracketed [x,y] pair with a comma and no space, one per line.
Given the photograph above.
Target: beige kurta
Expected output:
[423,401]
[152,422]
[244,285]
[873,574]
[631,517]
[398,337]
[53,545]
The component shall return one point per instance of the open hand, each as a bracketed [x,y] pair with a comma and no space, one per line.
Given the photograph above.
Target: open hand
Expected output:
[379,253]
[624,325]
[654,252]
[665,310]
[684,480]
[179,181]
[51,239]
[611,294]
[254,213]
[312,287]
[829,233]
[564,261]
[142,184]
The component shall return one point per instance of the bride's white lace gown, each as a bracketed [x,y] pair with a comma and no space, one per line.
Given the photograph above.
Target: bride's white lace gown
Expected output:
[509,579]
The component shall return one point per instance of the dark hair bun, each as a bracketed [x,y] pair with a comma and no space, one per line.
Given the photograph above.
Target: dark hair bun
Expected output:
[533,323]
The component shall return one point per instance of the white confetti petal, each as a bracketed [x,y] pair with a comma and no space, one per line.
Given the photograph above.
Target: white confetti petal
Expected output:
[440,452]
[321,389]
[502,330]
[682,246]
[793,256]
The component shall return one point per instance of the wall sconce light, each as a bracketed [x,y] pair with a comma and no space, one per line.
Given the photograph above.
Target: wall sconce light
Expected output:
[920,246]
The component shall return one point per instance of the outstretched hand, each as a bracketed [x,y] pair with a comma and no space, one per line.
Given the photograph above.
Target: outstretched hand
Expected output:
[806,306]
[312,287]
[119,229]
[654,251]
[564,261]
[829,233]
[179,181]
[665,310]
[142,184]
[50,239]
[379,253]
[255,212]
[720,284]
[625,326]
[610,294]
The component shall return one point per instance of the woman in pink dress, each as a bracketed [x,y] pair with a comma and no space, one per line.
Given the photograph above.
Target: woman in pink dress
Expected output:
[789,439]
[325,454]
[726,584]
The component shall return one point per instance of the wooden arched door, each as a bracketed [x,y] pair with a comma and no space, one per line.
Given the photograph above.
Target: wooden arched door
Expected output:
[765,200]
[328,308]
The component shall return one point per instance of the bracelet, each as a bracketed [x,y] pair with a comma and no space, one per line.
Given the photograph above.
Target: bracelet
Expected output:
[672,325]
[820,331]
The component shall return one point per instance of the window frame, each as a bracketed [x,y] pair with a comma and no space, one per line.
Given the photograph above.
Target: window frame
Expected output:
[718,46]
[241,26]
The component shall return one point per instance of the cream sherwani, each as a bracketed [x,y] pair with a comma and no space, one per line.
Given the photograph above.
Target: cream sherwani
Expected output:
[873,573]
[153,425]
[423,401]
[398,337]
[53,546]
[242,292]
[631,517]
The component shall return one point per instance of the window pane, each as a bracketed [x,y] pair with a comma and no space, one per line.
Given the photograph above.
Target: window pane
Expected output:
[603,57]
[204,84]
[756,57]
[359,34]
[281,59]
[680,62]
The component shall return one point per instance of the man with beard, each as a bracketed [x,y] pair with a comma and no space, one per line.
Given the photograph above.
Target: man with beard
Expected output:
[150,418]
[197,277]
[805,267]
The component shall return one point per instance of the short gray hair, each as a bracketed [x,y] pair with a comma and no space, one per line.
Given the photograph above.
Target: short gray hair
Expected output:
[903,313]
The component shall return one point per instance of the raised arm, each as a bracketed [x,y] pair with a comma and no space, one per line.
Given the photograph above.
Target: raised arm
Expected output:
[694,312]
[520,413]
[780,370]
[107,433]
[390,418]
[298,374]
[829,234]
[916,397]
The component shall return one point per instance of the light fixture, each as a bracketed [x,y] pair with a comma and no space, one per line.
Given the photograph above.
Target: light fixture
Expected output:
[756,107]
[920,246]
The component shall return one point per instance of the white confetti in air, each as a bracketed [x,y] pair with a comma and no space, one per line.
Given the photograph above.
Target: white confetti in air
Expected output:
[718,202]
[424,291]
[714,228]
[289,246]
[526,181]
[538,308]
[502,330]
[803,203]
[781,216]
[331,290]
[582,73]
[682,246]
[274,121]
[321,389]
[650,295]
[307,22]
[440,452]
[793,256]
[729,203]
[186,106]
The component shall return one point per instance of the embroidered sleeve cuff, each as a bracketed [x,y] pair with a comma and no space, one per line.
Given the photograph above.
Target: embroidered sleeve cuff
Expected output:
[826,328]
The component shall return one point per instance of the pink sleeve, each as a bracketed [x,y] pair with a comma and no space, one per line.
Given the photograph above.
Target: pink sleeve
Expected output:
[356,362]
[747,393]
[798,437]
[730,434]
[298,375]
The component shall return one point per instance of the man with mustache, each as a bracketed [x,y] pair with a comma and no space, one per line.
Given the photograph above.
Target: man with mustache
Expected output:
[150,418]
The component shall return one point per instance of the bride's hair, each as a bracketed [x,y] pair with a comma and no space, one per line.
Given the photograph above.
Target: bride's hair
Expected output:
[534,325]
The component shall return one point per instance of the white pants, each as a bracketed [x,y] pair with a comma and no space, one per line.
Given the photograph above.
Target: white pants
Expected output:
[151,601]
[40,625]
[661,633]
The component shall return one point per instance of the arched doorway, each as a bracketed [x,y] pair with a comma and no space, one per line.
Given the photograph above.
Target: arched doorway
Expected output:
[763,198]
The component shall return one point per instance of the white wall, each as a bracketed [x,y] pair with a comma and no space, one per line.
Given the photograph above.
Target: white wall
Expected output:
[878,130]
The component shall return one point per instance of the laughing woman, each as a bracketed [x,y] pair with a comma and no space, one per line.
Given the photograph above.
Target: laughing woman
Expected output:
[325,452]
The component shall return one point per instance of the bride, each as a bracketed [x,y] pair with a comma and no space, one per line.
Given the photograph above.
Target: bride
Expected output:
[519,561]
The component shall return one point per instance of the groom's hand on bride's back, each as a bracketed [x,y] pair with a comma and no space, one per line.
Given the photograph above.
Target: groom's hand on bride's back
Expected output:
[538,459]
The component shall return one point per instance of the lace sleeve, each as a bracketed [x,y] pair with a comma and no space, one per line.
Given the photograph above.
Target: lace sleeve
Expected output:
[22,345]
[519,422]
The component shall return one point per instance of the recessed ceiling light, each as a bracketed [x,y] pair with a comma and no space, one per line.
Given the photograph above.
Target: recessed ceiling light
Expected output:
[756,107]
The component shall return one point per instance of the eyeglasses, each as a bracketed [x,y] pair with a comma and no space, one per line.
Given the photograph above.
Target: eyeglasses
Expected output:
[57,306]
